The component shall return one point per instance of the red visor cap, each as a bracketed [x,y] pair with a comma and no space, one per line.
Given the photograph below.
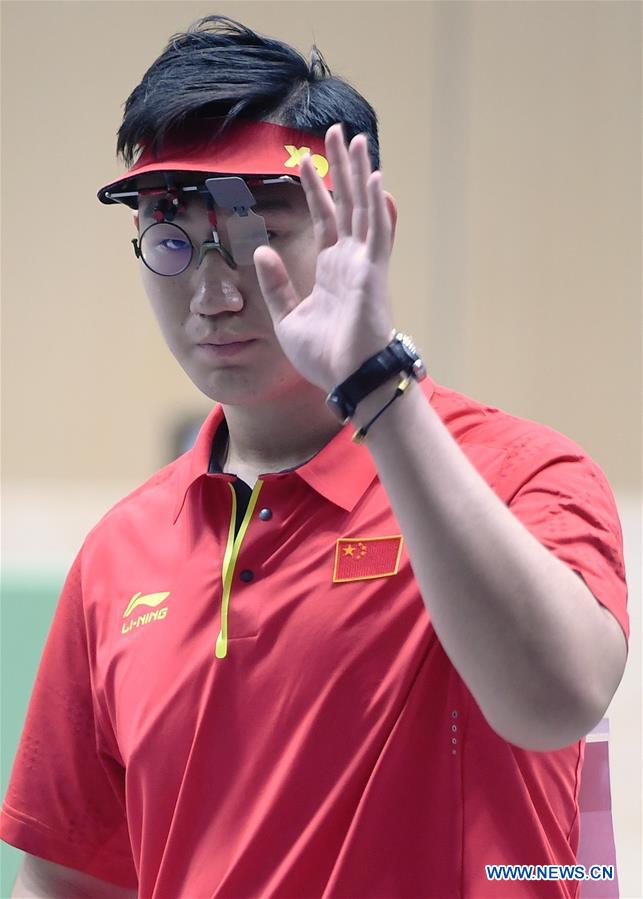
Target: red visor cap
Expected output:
[245,148]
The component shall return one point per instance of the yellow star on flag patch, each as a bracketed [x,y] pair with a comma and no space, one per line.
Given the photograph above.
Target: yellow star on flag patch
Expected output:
[363,558]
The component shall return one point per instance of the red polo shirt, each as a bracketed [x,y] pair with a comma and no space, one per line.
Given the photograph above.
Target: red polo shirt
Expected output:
[271,714]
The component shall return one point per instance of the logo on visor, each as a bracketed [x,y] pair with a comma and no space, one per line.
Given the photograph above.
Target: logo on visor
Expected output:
[294,159]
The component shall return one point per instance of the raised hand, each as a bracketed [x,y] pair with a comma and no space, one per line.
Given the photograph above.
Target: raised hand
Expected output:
[347,317]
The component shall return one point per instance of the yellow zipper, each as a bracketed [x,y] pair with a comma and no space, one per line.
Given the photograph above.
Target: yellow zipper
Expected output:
[229,561]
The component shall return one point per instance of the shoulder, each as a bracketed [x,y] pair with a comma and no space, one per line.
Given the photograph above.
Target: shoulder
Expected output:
[474,421]
[512,448]
[147,506]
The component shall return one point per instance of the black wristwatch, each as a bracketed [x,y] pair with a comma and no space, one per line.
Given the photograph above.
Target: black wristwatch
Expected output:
[399,356]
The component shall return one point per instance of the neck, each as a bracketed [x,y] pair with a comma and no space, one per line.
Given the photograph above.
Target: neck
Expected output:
[283,433]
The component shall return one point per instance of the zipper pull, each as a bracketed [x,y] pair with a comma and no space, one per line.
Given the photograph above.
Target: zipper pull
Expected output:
[221,650]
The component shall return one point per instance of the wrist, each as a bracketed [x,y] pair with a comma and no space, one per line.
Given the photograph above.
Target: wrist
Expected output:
[399,357]
[376,400]
[359,358]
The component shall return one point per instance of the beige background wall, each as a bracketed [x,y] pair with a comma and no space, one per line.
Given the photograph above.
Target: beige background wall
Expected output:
[511,140]
[510,136]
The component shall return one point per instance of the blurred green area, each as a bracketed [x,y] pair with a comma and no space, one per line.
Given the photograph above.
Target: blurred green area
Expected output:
[27,605]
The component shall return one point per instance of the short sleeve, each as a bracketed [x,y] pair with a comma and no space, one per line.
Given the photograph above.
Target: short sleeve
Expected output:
[564,499]
[66,799]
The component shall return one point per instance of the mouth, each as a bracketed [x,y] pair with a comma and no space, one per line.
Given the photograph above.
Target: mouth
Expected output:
[226,348]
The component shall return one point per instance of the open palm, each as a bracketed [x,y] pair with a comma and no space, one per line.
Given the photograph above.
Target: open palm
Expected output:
[347,316]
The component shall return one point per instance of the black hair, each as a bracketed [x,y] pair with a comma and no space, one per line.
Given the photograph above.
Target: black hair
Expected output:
[220,68]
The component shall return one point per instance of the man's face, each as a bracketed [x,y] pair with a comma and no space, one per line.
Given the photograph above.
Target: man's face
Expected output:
[216,303]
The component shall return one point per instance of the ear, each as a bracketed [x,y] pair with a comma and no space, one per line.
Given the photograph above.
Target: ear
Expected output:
[135,219]
[392,212]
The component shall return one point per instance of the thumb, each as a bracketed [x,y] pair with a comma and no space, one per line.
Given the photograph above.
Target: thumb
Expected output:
[275,284]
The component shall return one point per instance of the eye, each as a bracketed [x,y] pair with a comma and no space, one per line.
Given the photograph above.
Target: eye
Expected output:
[271,235]
[173,243]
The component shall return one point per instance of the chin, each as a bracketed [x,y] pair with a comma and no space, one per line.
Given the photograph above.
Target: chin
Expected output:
[232,386]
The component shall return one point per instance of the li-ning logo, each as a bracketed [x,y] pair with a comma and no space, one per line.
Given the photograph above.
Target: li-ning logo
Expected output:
[150,599]
[294,159]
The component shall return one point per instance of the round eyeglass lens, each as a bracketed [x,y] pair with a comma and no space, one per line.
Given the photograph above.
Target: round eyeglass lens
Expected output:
[165,248]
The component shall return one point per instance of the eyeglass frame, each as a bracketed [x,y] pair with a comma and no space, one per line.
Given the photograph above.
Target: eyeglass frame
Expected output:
[119,197]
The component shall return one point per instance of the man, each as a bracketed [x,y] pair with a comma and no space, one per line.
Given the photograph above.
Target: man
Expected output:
[349,644]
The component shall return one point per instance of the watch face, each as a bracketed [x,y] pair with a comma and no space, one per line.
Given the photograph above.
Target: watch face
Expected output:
[408,343]
[418,369]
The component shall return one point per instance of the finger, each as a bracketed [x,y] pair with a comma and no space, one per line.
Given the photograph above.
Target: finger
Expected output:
[320,204]
[275,284]
[360,170]
[340,170]
[378,244]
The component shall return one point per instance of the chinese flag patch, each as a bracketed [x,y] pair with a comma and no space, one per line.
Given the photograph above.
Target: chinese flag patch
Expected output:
[363,558]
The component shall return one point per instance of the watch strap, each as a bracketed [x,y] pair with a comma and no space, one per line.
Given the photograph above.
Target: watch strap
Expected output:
[377,370]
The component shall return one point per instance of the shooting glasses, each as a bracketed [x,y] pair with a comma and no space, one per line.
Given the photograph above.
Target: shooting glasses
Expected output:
[166,248]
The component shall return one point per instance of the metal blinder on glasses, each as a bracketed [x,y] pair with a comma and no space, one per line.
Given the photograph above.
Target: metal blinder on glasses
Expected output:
[246,229]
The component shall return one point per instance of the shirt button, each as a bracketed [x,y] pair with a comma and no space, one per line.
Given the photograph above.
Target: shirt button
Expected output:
[246,575]
[265,514]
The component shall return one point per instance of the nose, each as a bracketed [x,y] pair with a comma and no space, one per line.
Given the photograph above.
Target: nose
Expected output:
[216,288]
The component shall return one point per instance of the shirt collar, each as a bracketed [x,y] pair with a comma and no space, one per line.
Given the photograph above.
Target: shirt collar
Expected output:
[193,464]
[341,470]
